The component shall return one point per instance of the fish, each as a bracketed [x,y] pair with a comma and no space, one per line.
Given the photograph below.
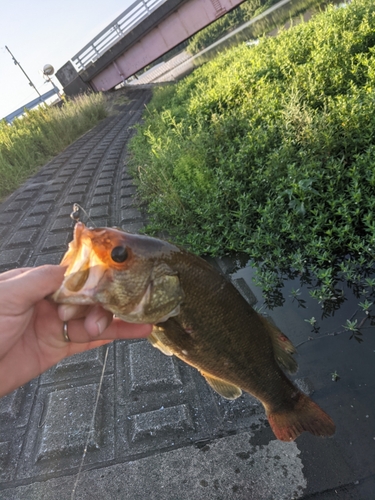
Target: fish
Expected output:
[198,316]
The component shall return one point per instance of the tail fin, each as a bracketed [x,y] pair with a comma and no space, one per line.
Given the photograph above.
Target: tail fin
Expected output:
[305,416]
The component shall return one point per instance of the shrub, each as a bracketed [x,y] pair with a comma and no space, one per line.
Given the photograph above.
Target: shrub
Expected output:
[270,150]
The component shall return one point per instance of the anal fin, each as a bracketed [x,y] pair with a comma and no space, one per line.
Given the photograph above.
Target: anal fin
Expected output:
[225,389]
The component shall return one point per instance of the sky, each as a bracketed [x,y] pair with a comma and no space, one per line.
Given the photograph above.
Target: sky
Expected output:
[40,32]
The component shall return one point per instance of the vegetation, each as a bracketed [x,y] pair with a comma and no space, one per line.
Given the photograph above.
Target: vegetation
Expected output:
[240,15]
[42,133]
[270,150]
[244,12]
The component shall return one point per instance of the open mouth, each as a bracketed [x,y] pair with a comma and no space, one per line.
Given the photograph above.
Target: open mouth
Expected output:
[84,271]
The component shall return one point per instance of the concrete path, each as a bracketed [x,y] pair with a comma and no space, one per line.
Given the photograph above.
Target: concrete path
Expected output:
[159,431]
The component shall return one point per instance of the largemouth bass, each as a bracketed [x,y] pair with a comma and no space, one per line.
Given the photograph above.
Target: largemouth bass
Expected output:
[199,316]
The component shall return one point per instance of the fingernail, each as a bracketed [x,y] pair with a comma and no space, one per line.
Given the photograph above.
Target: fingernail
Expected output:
[102,324]
[67,311]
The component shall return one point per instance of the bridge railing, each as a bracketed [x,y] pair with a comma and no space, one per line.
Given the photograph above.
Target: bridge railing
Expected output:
[124,23]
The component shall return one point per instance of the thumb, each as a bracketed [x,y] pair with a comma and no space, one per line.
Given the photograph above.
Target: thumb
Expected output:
[23,291]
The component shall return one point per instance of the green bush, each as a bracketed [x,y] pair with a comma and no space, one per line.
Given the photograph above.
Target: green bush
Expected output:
[270,150]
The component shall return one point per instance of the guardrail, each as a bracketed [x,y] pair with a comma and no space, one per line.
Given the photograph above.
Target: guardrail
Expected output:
[124,23]
[32,104]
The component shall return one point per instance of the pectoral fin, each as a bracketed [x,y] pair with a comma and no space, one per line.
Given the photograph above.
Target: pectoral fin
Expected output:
[156,341]
[225,389]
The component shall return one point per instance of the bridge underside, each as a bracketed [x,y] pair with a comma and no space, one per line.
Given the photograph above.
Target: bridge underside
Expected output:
[172,23]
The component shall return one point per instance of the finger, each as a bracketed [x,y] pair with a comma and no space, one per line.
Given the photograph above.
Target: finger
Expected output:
[117,329]
[97,321]
[70,311]
[21,292]
[13,273]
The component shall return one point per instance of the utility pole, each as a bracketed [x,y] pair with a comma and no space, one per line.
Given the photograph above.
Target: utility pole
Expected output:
[23,71]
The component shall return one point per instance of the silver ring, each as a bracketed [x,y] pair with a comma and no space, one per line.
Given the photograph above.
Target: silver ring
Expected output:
[65,332]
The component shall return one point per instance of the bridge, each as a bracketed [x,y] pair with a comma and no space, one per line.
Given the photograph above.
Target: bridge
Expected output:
[145,31]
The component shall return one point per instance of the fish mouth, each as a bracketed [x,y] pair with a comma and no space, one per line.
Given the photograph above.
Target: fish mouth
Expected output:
[84,271]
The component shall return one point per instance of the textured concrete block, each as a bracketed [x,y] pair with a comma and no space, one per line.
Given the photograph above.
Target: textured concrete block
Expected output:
[108,174]
[33,221]
[9,406]
[15,407]
[127,202]
[65,211]
[42,208]
[23,238]
[160,422]
[63,223]
[56,241]
[102,190]
[127,183]
[12,258]
[150,370]
[26,195]
[63,179]
[105,182]
[78,189]
[130,215]
[128,191]
[109,167]
[48,258]
[83,180]
[100,211]
[69,170]
[16,205]
[100,200]
[86,364]
[4,453]
[10,217]
[67,434]
[7,461]
[49,197]
[3,231]
[73,198]
[53,188]
[243,407]
[60,425]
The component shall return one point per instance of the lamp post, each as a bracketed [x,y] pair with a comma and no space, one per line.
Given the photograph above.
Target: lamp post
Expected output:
[48,71]
[23,71]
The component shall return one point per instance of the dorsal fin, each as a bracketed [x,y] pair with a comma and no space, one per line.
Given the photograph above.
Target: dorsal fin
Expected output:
[282,347]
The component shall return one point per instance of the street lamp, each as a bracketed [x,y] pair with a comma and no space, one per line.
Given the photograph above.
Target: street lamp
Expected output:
[48,71]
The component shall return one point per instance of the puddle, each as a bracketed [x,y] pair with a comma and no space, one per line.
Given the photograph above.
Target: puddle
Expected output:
[296,308]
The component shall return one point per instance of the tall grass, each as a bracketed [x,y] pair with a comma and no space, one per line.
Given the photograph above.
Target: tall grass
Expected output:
[42,133]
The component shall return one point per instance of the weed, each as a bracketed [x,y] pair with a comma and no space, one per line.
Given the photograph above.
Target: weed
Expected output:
[42,133]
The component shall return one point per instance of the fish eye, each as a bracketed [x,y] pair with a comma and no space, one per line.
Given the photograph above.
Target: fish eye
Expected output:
[119,254]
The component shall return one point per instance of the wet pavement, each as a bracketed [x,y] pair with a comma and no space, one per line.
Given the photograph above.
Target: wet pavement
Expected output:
[159,431]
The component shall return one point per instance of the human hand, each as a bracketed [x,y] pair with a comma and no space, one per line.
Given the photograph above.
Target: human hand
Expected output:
[31,326]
